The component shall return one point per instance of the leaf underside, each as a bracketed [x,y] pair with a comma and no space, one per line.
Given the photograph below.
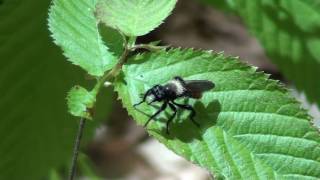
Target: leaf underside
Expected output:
[74,28]
[251,127]
[134,17]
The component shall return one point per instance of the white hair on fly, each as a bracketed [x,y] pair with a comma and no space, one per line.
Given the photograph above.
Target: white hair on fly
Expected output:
[180,89]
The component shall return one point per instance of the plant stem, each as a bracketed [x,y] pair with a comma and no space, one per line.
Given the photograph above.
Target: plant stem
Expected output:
[76,149]
[117,68]
[131,42]
[113,73]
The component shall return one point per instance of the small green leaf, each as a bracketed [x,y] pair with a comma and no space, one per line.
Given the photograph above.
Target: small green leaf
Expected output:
[75,30]
[80,102]
[134,17]
[251,126]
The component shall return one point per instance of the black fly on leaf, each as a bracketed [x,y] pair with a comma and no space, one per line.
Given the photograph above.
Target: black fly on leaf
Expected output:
[174,89]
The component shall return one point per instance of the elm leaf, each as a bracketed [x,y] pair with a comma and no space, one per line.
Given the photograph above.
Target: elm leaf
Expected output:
[250,126]
[134,17]
[75,29]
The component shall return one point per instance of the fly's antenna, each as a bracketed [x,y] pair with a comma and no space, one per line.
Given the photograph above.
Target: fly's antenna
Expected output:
[143,99]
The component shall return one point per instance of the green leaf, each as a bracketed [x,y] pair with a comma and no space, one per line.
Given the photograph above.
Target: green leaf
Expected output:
[251,127]
[36,131]
[134,17]
[80,102]
[288,30]
[75,30]
[113,39]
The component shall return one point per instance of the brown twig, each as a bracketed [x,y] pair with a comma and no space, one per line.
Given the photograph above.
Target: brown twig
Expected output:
[76,148]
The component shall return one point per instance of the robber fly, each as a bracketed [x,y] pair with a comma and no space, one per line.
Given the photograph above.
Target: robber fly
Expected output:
[174,89]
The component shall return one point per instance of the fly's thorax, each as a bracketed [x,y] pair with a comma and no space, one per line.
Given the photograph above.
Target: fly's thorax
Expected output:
[176,86]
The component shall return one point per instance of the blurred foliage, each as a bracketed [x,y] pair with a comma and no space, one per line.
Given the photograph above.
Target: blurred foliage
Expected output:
[37,133]
[86,168]
[54,175]
[289,32]
[225,5]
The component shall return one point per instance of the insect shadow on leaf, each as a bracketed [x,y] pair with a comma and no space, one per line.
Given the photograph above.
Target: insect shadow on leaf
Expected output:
[168,93]
[186,131]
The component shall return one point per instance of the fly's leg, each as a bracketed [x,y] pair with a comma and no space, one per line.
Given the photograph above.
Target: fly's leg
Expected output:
[174,109]
[143,99]
[162,108]
[189,108]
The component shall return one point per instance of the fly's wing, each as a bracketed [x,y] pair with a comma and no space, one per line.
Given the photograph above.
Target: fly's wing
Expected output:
[195,88]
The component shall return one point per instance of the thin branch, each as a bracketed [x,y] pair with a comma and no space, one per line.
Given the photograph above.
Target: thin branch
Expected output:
[76,147]
[113,73]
